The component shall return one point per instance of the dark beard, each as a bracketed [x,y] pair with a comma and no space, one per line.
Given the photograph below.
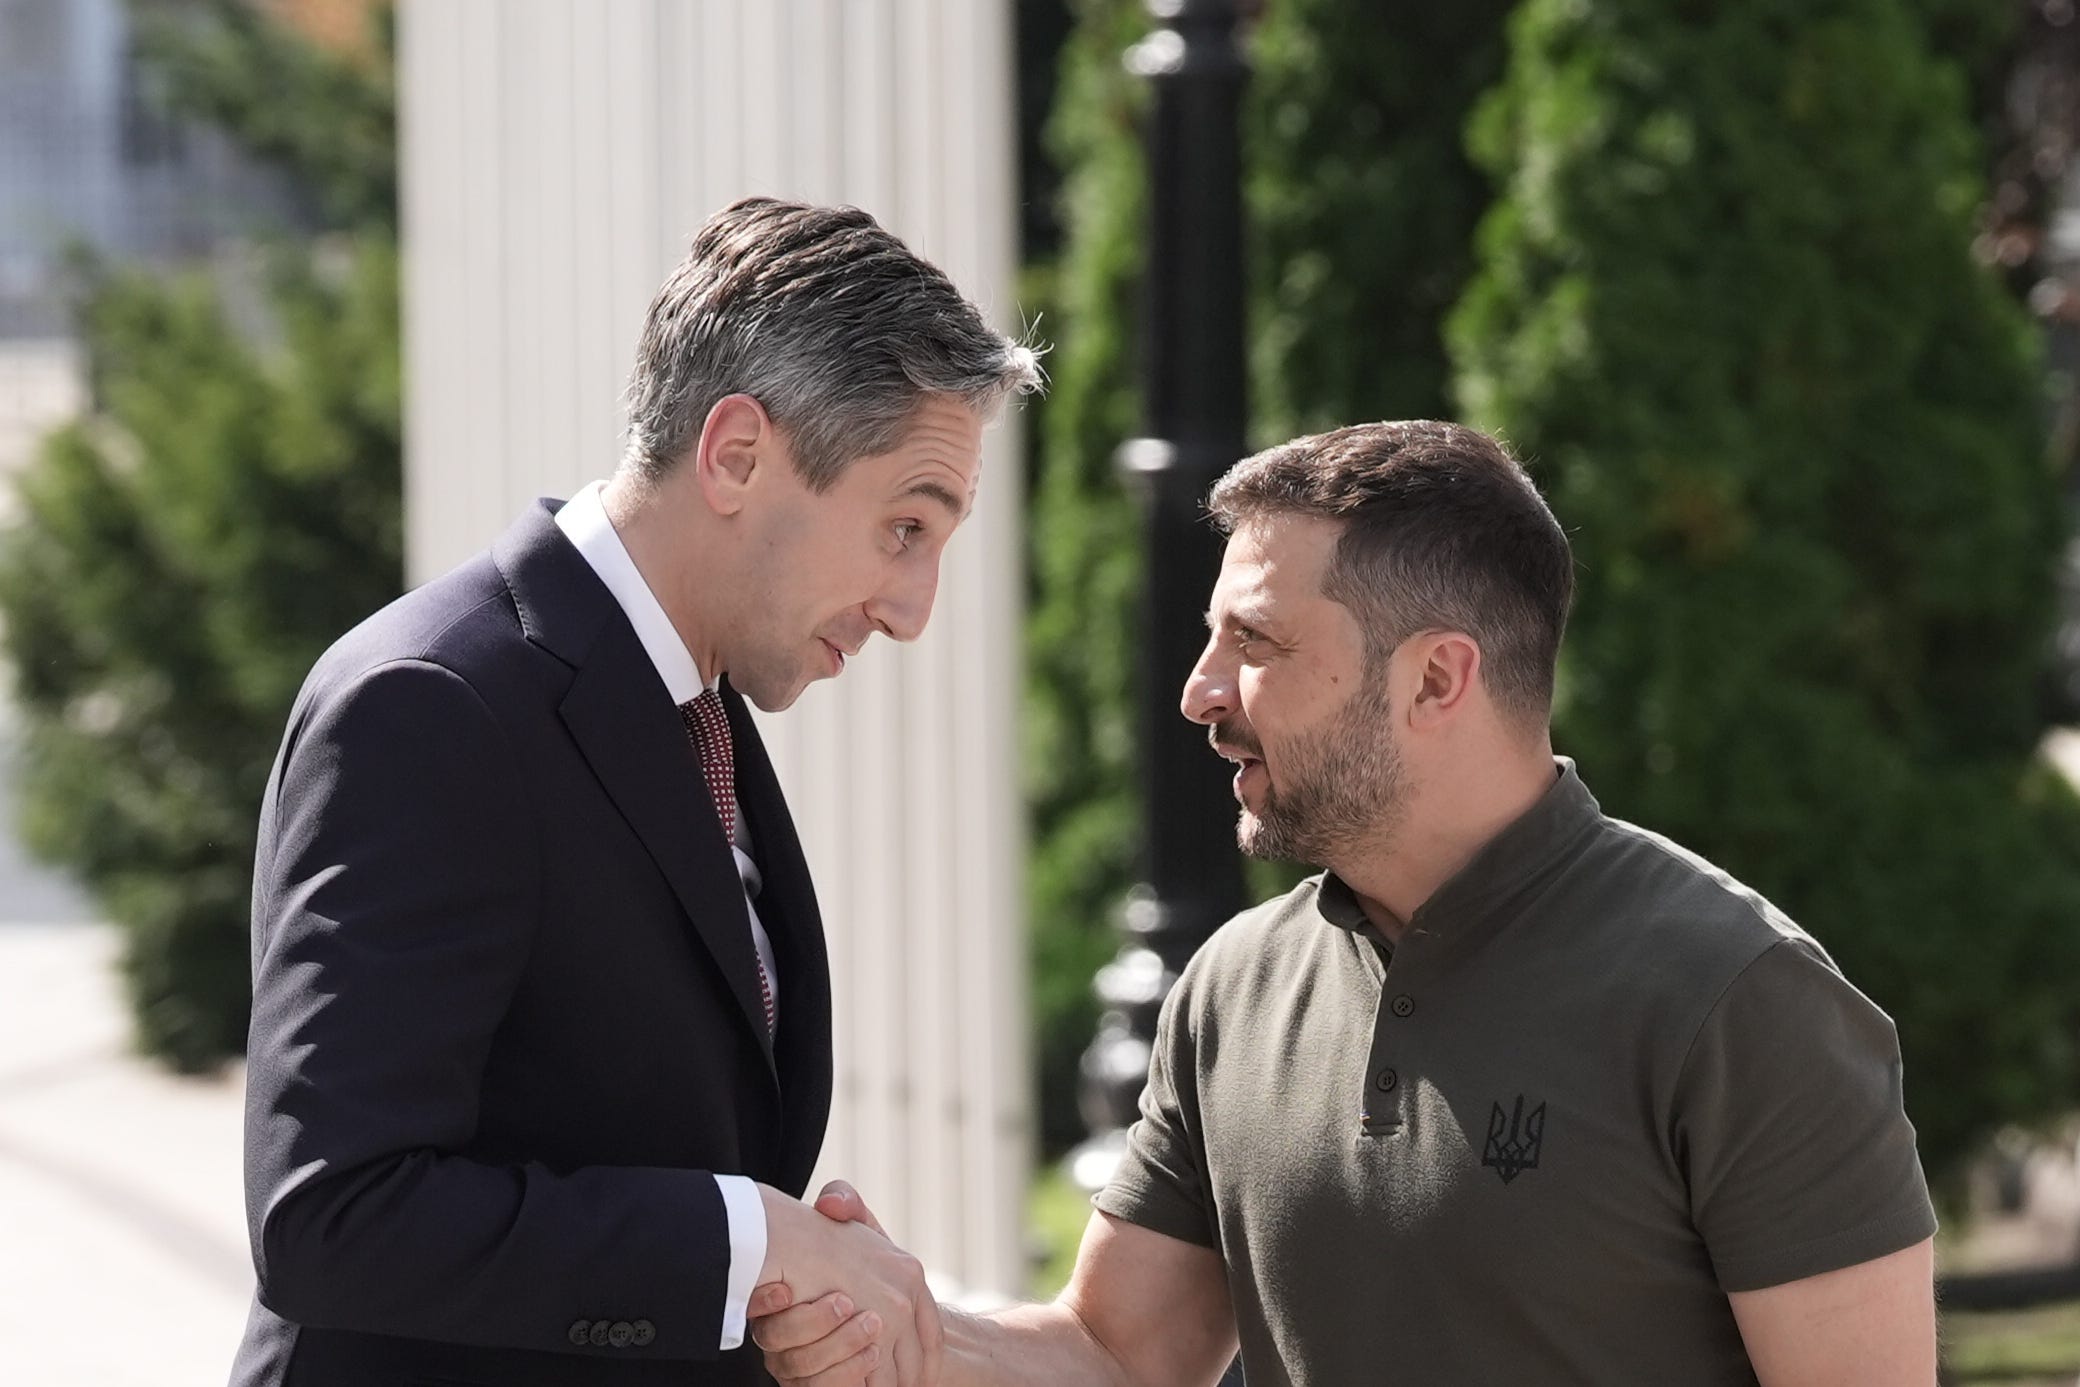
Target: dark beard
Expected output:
[1338,787]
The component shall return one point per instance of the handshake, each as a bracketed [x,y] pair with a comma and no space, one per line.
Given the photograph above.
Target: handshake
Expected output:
[838,1304]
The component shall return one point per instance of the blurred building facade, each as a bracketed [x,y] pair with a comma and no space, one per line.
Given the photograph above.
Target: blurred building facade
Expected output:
[556,158]
[90,157]
[91,160]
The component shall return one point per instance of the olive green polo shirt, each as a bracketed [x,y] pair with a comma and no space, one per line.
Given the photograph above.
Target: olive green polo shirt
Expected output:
[1597,1086]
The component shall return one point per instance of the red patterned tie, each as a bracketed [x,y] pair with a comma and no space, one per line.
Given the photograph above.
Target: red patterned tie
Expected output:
[707,723]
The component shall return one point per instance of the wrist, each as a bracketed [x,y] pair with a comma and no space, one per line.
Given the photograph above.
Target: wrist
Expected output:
[972,1344]
[784,1239]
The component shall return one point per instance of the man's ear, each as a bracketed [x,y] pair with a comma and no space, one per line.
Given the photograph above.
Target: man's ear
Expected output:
[1448,665]
[735,438]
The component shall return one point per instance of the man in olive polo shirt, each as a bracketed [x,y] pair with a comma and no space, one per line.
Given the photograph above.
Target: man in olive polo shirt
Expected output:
[1513,1092]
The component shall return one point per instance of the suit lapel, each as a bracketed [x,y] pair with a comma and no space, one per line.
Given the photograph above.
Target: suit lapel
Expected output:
[637,746]
[624,724]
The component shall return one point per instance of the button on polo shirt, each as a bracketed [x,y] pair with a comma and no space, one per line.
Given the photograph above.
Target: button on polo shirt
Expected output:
[1596,1086]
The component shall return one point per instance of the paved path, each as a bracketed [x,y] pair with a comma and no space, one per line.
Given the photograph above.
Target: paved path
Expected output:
[122,1233]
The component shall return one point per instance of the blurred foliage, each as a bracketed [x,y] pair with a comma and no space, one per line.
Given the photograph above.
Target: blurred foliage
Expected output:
[328,119]
[1041,34]
[1085,560]
[1361,206]
[1980,39]
[1727,306]
[1057,1213]
[181,555]
[2017,1348]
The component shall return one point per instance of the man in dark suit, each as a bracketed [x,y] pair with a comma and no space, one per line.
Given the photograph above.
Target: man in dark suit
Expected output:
[540,1055]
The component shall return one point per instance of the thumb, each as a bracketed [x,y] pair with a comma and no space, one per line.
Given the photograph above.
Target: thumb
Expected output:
[841,1202]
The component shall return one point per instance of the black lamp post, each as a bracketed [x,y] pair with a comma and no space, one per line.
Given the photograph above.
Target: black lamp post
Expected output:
[1194,413]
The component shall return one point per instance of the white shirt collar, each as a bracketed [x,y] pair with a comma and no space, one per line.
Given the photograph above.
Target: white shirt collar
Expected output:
[583,520]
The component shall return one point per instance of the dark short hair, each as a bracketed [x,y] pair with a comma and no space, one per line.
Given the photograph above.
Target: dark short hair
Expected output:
[832,324]
[1443,530]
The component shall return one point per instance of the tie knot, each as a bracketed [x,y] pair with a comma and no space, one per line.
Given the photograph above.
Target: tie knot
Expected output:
[708,722]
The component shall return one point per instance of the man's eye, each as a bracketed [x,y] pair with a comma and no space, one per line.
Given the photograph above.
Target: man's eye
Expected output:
[907,530]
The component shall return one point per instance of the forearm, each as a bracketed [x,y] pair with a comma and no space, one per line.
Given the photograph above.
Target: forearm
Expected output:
[440,1247]
[1027,1346]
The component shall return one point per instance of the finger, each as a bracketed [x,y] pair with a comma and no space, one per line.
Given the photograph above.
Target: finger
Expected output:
[931,1339]
[847,1342]
[909,1358]
[855,1371]
[883,1374]
[803,1324]
[839,1200]
[769,1299]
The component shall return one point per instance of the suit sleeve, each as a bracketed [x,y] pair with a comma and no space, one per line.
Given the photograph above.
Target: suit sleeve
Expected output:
[395,900]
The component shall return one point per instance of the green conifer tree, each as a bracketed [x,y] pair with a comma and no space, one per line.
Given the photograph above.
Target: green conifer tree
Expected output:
[229,505]
[1727,308]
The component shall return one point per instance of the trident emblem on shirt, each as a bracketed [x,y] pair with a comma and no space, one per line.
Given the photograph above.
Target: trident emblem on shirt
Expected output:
[1513,1139]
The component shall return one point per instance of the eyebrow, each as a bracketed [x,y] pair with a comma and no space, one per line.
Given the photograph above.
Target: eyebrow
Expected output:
[935,492]
[1241,616]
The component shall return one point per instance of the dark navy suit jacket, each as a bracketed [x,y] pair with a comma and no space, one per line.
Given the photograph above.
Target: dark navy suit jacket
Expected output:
[506,1013]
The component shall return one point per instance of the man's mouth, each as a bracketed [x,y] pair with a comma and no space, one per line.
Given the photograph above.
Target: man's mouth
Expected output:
[839,654]
[1246,763]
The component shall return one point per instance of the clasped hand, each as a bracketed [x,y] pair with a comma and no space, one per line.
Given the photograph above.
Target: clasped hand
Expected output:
[840,1305]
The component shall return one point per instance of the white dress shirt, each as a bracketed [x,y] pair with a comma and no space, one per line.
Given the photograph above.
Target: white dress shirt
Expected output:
[583,520]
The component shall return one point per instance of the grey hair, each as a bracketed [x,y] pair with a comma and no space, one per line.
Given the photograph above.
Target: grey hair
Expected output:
[833,325]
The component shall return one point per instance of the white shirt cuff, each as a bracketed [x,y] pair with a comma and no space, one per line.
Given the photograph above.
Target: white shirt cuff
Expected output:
[747,1251]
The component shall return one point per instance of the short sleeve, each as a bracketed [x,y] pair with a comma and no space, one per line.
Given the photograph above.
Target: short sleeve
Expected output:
[1791,1129]
[1160,1184]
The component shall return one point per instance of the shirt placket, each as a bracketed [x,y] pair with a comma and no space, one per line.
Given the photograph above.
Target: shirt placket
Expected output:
[1390,1067]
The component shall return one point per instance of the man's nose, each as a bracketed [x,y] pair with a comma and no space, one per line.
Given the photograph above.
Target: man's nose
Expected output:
[1209,691]
[904,604]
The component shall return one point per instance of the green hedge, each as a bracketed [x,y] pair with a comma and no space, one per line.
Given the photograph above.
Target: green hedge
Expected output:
[230,504]
[180,558]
